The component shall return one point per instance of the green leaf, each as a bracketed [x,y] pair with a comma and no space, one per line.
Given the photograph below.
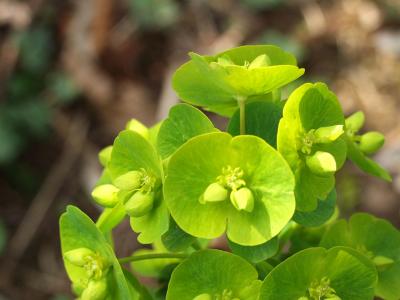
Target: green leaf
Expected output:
[175,239]
[365,163]
[262,120]
[78,231]
[257,253]
[131,152]
[111,217]
[199,162]
[183,123]
[205,82]
[308,109]
[338,268]
[152,225]
[375,238]
[213,272]
[317,217]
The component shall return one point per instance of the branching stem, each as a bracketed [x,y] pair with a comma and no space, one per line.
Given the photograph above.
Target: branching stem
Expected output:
[242,109]
[128,259]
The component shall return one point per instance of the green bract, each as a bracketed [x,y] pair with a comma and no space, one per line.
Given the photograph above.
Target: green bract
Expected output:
[268,184]
[378,240]
[136,168]
[89,259]
[184,122]
[310,139]
[316,273]
[242,162]
[359,146]
[246,74]
[214,274]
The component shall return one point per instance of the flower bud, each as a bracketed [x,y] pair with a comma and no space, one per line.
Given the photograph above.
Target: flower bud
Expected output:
[328,134]
[78,256]
[355,121]
[138,127]
[225,60]
[321,163]
[204,296]
[243,199]
[96,290]
[105,155]
[139,204]
[382,261]
[371,142]
[215,193]
[260,61]
[129,181]
[106,195]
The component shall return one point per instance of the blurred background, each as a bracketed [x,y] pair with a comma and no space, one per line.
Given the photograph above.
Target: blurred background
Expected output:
[72,73]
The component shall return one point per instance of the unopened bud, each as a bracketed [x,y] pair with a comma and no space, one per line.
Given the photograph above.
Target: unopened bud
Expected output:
[328,134]
[203,297]
[371,142]
[355,121]
[129,181]
[260,61]
[138,127]
[225,60]
[139,204]
[382,261]
[321,163]
[96,290]
[105,155]
[243,199]
[78,256]
[106,195]
[215,193]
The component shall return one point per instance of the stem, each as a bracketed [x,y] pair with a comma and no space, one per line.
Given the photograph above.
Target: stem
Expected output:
[242,108]
[125,260]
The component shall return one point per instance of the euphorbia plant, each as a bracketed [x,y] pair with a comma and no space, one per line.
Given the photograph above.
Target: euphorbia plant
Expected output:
[265,189]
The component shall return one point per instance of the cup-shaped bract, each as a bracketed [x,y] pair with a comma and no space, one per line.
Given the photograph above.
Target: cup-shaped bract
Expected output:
[246,73]
[213,274]
[89,259]
[317,273]
[132,152]
[378,240]
[235,162]
[310,139]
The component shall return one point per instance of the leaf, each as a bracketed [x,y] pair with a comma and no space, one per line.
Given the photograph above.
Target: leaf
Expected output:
[364,163]
[78,231]
[349,276]
[257,253]
[111,217]
[372,237]
[183,123]
[216,88]
[317,217]
[215,272]
[175,239]
[262,120]
[132,152]
[199,162]
[3,236]
[152,225]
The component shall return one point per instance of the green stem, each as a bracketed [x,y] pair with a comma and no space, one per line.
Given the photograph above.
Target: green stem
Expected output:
[242,108]
[125,260]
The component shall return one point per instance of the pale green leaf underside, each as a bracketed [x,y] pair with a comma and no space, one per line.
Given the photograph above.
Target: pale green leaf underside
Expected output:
[211,272]
[373,237]
[199,162]
[350,277]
